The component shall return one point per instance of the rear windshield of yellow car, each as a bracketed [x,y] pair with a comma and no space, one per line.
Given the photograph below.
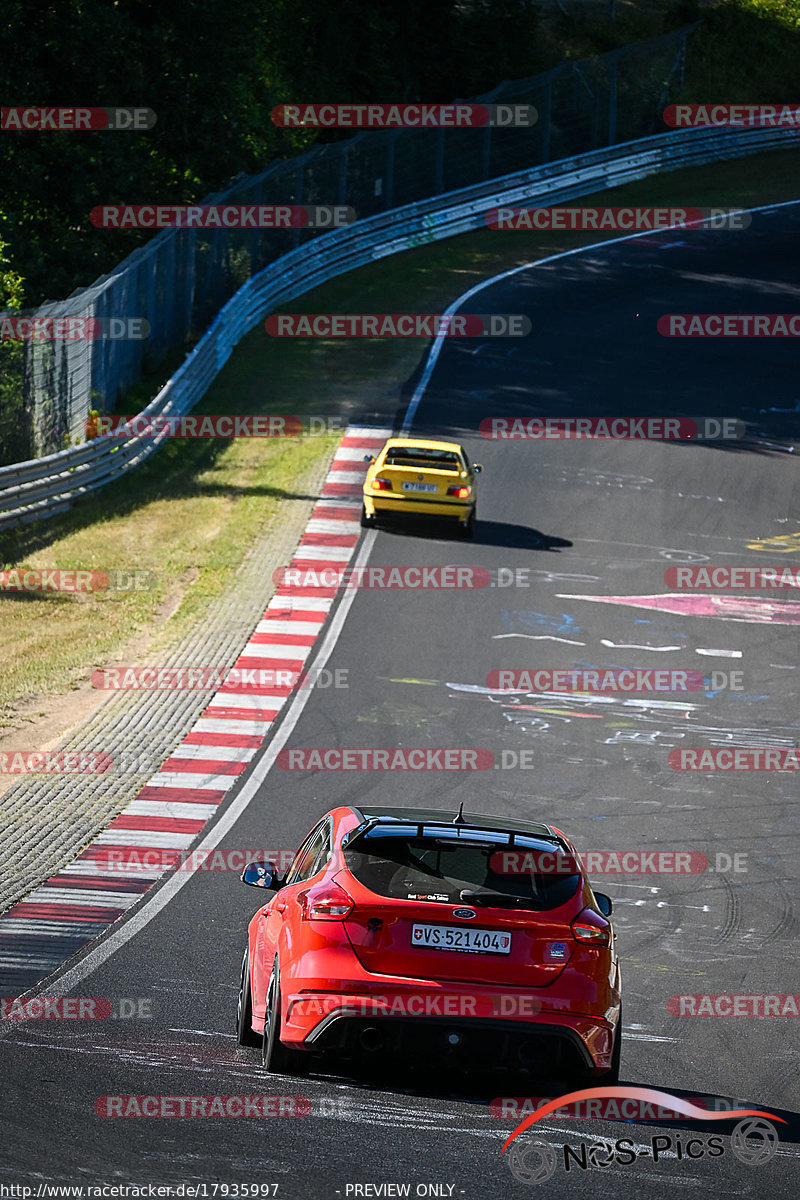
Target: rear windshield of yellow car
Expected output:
[440,460]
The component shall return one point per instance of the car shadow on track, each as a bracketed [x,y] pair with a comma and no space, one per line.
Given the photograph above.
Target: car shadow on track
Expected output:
[512,1097]
[487,533]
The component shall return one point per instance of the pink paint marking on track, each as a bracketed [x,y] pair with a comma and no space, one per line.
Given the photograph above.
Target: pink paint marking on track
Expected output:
[727,608]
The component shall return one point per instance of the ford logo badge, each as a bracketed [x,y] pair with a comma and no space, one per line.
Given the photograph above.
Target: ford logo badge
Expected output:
[466,913]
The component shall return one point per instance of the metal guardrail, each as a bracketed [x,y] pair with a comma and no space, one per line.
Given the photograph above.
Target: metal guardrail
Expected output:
[43,487]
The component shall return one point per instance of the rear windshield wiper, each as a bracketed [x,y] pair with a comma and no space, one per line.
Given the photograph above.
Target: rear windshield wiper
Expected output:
[496,899]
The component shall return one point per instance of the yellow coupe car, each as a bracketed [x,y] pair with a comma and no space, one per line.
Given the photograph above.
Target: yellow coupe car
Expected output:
[415,477]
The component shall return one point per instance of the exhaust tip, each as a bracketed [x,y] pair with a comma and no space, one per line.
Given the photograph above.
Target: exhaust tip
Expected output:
[527,1053]
[371,1039]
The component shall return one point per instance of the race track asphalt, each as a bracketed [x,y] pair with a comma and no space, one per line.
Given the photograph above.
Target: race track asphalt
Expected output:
[571,523]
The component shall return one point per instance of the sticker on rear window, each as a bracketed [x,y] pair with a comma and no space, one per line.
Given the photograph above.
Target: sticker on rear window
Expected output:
[431,896]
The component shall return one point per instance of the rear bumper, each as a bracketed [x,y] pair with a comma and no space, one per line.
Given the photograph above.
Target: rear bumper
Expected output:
[548,1049]
[381,504]
[492,1026]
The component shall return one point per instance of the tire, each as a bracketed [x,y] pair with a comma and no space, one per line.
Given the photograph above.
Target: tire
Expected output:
[611,1076]
[366,521]
[583,1078]
[274,1055]
[468,528]
[245,1034]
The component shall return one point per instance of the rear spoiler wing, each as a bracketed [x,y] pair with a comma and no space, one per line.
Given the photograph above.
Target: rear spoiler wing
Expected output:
[449,829]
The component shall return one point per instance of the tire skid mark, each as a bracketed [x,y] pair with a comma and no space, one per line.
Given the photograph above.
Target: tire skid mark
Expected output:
[786,923]
[732,925]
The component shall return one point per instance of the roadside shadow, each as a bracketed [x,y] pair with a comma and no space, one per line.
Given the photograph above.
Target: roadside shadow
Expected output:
[512,1097]
[487,533]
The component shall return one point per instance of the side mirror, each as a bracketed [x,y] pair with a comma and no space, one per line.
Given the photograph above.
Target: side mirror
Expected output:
[477,468]
[604,903]
[262,875]
[369,458]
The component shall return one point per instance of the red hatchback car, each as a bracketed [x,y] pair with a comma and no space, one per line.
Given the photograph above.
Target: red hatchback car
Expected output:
[401,929]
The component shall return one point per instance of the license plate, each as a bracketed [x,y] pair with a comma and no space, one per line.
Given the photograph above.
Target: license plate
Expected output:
[455,937]
[419,487]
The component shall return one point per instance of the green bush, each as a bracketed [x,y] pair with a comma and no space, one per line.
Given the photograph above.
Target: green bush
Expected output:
[15,442]
[745,51]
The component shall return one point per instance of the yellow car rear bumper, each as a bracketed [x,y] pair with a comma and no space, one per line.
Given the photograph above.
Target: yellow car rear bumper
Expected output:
[380,504]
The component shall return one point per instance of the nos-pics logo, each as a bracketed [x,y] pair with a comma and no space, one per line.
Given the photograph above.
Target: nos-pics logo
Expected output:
[754,1140]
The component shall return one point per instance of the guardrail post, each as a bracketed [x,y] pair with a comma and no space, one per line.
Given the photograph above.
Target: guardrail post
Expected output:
[189,247]
[388,175]
[438,167]
[612,101]
[255,236]
[155,347]
[297,199]
[486,152]
[682,58]
[545,117]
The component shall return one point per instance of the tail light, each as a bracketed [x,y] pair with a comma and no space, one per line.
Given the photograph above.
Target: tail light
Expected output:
[382,485]
[590,927]
[329,902]
[459,491]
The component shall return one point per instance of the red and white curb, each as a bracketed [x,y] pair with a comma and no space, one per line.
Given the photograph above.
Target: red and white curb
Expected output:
[66,912]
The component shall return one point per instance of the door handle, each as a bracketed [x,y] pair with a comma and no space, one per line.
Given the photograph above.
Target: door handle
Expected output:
[281,907]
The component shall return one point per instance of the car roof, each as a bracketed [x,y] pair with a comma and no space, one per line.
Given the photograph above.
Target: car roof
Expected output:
[438,816]
[425,443]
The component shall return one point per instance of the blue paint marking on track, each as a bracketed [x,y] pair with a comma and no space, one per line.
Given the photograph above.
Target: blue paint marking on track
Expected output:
[538,620]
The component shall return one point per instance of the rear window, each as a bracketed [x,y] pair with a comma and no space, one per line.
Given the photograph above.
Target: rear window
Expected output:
[471,869]
[442,460]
